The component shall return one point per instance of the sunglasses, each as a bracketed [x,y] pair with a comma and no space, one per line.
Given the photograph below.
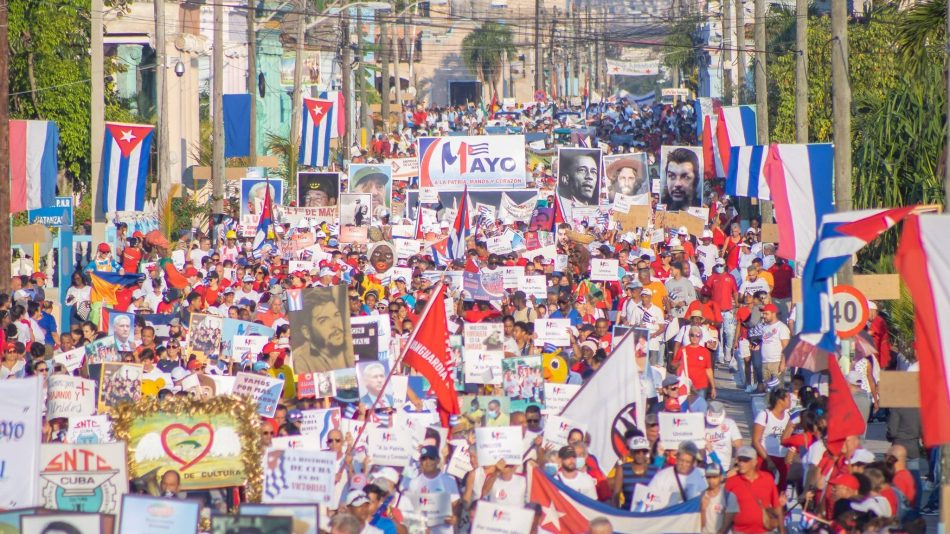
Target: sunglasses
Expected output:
[695,335]
[43,370]
[533,421]
[268,433]
[333,440]
[743,459]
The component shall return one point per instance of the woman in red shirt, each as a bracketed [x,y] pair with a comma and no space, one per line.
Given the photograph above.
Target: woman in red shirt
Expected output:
[696,361]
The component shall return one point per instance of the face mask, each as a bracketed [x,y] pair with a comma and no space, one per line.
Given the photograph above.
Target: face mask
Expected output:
[581,460]
[550,469]
[493,415]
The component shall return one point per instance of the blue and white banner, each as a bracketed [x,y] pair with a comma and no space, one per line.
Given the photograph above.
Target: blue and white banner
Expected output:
[479,162]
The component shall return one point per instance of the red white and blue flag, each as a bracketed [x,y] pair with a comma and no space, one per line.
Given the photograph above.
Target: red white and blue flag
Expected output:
[746,174]
[800,180]
[339,129]
[125,159]
[33,164]
[735,127]
[461,229]
[318,129]
[264,223]
[923,260]
[840,236]
[565,511]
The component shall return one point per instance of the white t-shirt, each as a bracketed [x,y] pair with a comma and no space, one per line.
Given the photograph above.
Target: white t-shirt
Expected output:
[772,433]
[721,437]
[582,483]
[441,483]
[664,491]
[511,492]
[749,287]
[196,255]
[813,455]
[772,337]
[707,254]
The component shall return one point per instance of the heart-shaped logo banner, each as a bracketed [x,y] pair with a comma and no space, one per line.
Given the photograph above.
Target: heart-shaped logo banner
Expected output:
[187,445]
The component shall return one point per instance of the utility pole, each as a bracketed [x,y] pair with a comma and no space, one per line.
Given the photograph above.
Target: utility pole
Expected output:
[384,53]
[361,74]
[97,120]
[554,93]
[217,111]
[5,237]
[726,13]
[252,78]
[296,119]
[801,71]
[740,44]
[538,74]
[589,83]
[347,87]
[394,50]
[161,103]
[761,94]
[841,116]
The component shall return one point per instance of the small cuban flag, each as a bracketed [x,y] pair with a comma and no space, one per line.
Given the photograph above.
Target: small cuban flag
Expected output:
[262,235]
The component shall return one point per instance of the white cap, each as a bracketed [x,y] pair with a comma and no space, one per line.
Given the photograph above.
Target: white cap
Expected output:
[861,456]
[138,294]
[707,234]
[682,231]
[872,305]
[386,473]
[326,271]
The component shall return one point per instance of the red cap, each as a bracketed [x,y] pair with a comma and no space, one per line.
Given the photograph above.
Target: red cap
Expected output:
[38,275]
[191,271]
[848,481]
[11,345]
[270,347]
[138,234]
[194,365]
[770,308]
[151,266]
[104,247]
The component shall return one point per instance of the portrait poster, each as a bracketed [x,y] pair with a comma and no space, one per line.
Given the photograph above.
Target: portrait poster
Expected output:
[305,517]
[681,177]
[382,258]
[144,514]
[370,377]
[320,334]
[72,522]
[22,412]
[374,180]
[318,189]
[119,382]
[578,177]
[252,198]
[121,327]
[83,478]
[542,220]
[355,217]
[625,174]
[204,335]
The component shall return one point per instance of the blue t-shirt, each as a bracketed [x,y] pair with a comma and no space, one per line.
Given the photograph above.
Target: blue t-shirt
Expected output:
[48,324]
[572,315]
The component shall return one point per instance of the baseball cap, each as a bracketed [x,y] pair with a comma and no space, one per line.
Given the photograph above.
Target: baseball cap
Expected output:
[635,285]
[138,294]
[670,381]
[356,498]
[848,481]
[429,451]
[247,278]
[647,291]
[566,452]
[696,313]
[707,234]
[770,308]
[715,413]
[861,456]
[638,443]
[386,473]
[682,231]
[103,247]
[747,452]
[260,366]
[713,470]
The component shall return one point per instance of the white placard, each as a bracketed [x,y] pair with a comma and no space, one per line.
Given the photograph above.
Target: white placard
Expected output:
[699,211]
[428,195]
[556,396]
[498,244]
[499,443]
[482,367]
[265,390]
[299,265]
[298,475]
[434,506]
[407,247]
[655,186]
[319,423]
[390,446]
[676,428]
[294,442]
[557,428]
[510,276]
[604,270]
[70,396]
[351,429]
[247,347]
[534,286]
[641,499]
[491,518]
[553,331]
[461,461]
[72,359]
[622,203]
[415,424]
[89,430]
[21,412]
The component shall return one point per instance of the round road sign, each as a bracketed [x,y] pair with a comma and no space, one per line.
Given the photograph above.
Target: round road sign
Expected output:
[849,310]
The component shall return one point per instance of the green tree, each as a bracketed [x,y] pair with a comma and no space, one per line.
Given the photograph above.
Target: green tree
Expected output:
[485,50]
[682,51]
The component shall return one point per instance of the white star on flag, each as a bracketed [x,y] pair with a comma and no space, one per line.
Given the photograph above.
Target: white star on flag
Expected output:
[127,135]
[317,110]
[551,516]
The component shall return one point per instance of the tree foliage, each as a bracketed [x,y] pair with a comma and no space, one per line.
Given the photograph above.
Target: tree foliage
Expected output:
[485,50]
[683,50]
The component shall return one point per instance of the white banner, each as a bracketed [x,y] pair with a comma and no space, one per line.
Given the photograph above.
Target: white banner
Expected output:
[553,331]
[676,428]
[70,396]
[72,359]
[89,430]
[499,443]
[556,396]
[616,67]
[481,162]
[517,212]
[491,518]
[298,475]
[390,446]
[20,430]
[604,270]
[83,478]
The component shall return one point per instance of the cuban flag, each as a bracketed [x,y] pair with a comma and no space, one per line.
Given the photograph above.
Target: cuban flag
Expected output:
[565,511]
[264,223]
[735,127]
[33,164]
[339,129]
[840,236]
[746,174]
[461,229]
[923,261]
[317,131]
[125,158]
[801,182]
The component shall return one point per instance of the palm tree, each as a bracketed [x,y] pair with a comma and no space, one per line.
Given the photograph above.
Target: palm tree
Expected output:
[485,50]
[287,152]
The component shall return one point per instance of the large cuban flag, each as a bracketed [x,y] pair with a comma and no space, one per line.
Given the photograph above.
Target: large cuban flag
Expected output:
[317,131]
[33,164]
[735,127]
[125,159]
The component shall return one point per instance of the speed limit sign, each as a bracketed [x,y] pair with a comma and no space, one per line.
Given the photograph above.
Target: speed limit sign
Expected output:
[850,311]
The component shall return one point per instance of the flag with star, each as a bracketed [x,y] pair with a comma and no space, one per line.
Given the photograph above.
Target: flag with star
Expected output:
[125,158]
[317,131]
[565,511]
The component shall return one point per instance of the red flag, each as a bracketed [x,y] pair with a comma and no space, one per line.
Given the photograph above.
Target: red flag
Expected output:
[709,157]
[427,352]
[558,216]
[493,107]
[558,514]
[844,419]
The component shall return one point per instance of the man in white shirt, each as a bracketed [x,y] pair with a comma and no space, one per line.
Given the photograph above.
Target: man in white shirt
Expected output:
[430,481]
[753,283]
[246,291]
[707,253]
[722,435]
[775,336]
[571,477]
[677,483]
[503,485]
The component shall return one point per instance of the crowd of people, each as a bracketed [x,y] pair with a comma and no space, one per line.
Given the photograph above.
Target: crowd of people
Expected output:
[717,301]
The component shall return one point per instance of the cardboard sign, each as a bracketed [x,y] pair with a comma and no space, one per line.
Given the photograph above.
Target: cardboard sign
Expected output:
[769,233]
[461,461]
[635,217]
[71,360]
[491,518]
[534,286]
[499,443]
[604,270]
[899,389]
[556,396]
[298,475]
[70,396]
[482,367]
[265,390]
[553,331]
[89,430]
[83,478]
[676,428]
[557,429]
[390,446]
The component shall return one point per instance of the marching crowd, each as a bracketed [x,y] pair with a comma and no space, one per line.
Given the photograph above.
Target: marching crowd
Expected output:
[717,300]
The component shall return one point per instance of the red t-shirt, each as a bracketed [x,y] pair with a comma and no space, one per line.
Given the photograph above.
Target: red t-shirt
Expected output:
[782,278]
[905,482]
[698,360]
[722,289]
[130,259]
[752,496]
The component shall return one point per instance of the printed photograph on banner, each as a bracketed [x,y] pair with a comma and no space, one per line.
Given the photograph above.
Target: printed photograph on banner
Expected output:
[155,515]
[523,382]
[83,478]
[347,387]
[681,177]
[74,522]
[204,335]
[305,517]
[370,377]
[373,180]
[316,385]
[119,382]
[101,350]
[578,177]
[230,524]
[542,220]
[355,217]
[447,202]
[484,337]
[252,197]
[381,257]
[320,333]
[485,410]
[318,189]
[121,328]
[625,174]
